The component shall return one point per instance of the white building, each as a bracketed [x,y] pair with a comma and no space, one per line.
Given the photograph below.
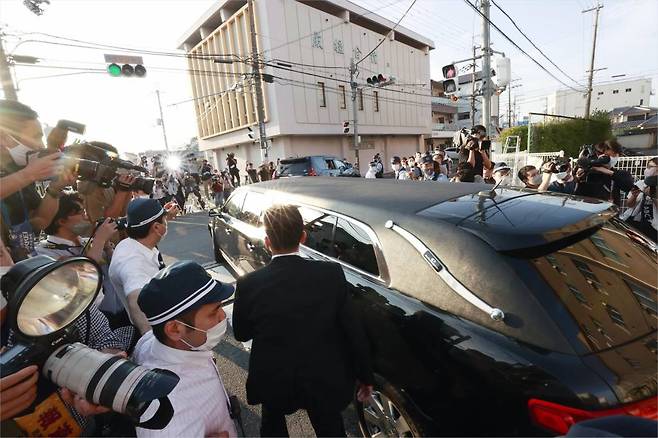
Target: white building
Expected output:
[307,46]
[605,97]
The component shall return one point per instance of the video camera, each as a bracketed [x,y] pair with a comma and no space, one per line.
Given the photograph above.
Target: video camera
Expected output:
[100,166]
[45,299]
[465,135]
[121,222]
[556,165]
[590,155]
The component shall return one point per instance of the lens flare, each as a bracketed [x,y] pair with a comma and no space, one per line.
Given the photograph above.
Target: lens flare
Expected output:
[173,162]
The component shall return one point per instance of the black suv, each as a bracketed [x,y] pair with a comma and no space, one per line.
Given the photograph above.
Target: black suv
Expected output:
[315,165]
[498,313]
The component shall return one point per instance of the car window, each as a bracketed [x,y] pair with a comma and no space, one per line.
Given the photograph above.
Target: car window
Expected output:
[294,167]
[339,164]
[319,163]
[234,204]
[353,245]
[319,235]
[330,163]
[254,206]
[607,283]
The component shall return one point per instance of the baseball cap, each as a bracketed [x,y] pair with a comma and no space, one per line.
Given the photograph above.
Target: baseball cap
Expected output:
[180,288]
[500,166]
[142,211]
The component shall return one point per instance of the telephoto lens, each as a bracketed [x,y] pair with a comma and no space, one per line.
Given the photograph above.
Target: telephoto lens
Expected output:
[113,382]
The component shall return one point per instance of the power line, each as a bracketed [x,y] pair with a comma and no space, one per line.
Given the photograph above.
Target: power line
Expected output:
[520,49]
[388,33]
[533,44]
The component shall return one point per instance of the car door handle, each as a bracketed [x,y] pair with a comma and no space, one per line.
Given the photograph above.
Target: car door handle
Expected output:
[250,246]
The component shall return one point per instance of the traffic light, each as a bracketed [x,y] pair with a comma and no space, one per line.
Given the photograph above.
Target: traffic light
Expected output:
[450,86]
[449,71]
[380,80]
[346,127]
[126,70]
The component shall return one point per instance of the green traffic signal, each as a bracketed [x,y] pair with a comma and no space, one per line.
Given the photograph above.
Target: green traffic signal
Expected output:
[114,70]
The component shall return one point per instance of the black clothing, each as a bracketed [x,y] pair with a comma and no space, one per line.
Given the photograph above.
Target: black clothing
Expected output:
[568,188]
[479,161]
[325,424]
[309,346]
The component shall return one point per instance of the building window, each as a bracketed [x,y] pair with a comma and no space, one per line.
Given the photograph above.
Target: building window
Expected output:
[601,330]
[463,116]
[615,315]
[342,97]
[591,278]
[578,294]
[554,264]
[600,243]
[360,100]
[616,91]
[322,96]
[376,99]
[628,90]
[645,297]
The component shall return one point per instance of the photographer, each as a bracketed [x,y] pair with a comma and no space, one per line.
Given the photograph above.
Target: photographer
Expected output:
[599,172]
[565,182]
[137,259]
[24,211]
[191,186]
[531,178]
[232,165]
[643,203]
[473,151]
[206,175]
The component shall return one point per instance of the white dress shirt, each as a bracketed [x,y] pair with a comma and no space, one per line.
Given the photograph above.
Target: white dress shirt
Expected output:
[199,400]
[133,265]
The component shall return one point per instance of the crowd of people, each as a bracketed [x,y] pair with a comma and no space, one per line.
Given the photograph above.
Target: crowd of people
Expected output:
[172,317]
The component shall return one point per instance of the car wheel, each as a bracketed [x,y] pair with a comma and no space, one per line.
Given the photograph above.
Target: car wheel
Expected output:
[388,413]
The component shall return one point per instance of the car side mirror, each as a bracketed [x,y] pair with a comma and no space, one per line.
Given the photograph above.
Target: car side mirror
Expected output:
[215,213]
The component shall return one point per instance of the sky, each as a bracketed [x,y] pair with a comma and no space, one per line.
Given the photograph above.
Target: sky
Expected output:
[124,111]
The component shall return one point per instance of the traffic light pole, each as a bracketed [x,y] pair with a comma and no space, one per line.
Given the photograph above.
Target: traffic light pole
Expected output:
[486,67]
[255,69]
[5,75]
[591,64]
[164,132]
[355,140]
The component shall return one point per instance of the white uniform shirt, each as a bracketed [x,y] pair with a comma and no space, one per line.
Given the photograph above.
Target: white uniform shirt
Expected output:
[199,400]
[133,265]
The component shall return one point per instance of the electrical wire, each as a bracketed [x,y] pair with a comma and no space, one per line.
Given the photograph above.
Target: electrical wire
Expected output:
[388,33]
[520,49]
[533,44]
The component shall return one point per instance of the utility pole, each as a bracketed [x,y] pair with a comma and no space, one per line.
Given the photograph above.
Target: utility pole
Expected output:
[486,67]
[255,69]
[472,89]
[5,75]
[588,103]
[509,105]
[355,138]
[164,132]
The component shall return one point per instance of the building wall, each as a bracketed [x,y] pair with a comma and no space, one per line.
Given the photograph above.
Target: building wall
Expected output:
[605,97]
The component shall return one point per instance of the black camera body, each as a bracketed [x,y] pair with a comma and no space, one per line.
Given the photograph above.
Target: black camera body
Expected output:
[556,165]
[121,222]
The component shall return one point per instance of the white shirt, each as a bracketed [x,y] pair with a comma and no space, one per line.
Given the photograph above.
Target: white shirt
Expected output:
[370,174]
[286,255]
[133,265]
[199,400]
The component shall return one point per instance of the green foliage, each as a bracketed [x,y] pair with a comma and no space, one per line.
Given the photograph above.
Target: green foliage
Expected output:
[563,134]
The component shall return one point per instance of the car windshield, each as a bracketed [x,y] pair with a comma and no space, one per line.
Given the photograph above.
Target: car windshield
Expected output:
[606,284]
[294,167]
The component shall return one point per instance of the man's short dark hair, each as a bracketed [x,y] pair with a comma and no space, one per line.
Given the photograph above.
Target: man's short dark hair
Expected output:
[12,108]
[69,204]
[187,318]
[143,231]
[523,172]
[284,226]
[614,146]
[465,172]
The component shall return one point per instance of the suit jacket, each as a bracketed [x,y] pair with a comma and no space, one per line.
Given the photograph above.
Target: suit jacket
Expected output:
[308,346]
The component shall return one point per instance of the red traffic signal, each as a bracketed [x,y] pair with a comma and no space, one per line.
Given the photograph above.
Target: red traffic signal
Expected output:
[346,127]
[376,79]
[449,71]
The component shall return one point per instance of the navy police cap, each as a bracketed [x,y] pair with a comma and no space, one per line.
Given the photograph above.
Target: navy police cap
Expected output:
[142,211]
[178,289]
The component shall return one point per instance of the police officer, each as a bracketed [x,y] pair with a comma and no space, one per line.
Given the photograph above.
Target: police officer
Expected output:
[398,168]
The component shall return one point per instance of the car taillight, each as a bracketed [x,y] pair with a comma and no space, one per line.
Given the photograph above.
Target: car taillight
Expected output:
[559,418]
[312,172]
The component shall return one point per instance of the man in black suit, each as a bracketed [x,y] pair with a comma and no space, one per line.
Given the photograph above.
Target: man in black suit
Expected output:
[309,347]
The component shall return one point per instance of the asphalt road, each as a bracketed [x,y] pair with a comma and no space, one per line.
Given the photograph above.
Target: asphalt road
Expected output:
[188,239]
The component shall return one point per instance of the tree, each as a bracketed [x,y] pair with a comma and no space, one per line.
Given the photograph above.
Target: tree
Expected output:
[568,135]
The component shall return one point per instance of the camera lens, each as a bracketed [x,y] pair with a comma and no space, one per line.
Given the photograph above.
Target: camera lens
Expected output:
[111,381]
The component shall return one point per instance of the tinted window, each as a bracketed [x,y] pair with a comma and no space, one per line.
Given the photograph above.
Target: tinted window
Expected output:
[320,234]
[353,246]
[608,285]
[298,166]
[254,206]
[339,164]
[234,204]
[319,163]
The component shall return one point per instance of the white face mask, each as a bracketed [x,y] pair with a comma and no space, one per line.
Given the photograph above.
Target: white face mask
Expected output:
[214,335]
[396,167]
[82,228]
[563,176]
[535,180]
[19,153]
[614,161]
